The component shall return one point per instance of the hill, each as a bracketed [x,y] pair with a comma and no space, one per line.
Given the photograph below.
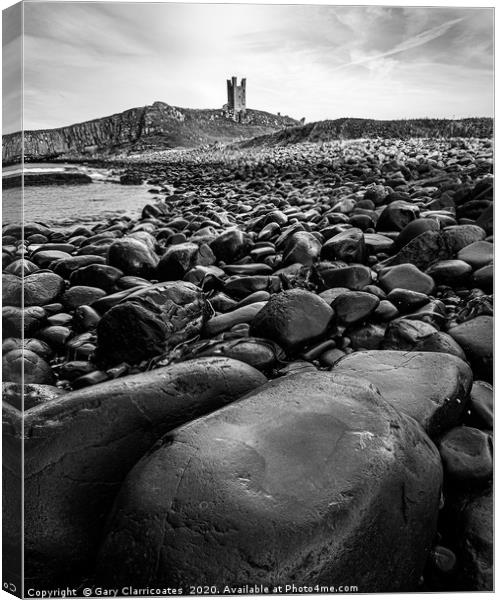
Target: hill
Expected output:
[157,126]
[325,131]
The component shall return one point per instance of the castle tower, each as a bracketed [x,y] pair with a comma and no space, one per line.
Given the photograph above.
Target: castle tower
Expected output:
[236,97]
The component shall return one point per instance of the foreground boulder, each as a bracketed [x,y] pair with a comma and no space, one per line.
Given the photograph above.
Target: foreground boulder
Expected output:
[312,478]
[80,446]
[431,387]
[149,322]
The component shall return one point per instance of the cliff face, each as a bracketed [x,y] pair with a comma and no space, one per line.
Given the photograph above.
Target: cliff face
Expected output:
[157,126]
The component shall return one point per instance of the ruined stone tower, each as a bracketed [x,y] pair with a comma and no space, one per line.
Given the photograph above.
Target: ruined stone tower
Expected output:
[236,98]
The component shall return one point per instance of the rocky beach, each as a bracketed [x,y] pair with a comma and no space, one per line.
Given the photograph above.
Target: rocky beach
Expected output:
[281,373]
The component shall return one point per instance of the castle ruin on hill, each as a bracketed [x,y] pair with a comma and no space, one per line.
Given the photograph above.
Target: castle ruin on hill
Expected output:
[236,98]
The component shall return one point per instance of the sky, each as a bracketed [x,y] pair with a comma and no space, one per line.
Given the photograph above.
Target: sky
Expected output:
[87,60]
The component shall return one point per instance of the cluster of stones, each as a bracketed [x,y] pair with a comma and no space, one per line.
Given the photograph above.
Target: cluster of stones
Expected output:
[342,294]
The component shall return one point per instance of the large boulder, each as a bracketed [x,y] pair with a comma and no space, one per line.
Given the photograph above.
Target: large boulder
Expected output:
[348,246]
[148,322]
[79,447]
[431,387]
[36,289]
[312,478]
[293,318]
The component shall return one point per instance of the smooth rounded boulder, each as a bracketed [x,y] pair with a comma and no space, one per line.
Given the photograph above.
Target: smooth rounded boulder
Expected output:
[312,478]
[431,387]
[132,257]
[80,446]
[292,319]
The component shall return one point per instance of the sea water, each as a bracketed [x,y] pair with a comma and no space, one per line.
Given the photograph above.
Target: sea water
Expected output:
[60,206]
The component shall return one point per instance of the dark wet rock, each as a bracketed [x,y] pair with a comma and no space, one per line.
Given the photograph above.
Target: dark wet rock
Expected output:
[24,366]
[407,300]
[483,278]
[45,257]
[330,357]
[29,395]
[301,247]
[85,318]
[367,337]
[348,246]
[247,269]
[230,245]
[32,344]
[376,242]
[414,229]
[276,439]
[80,294]
[333,293]
[459,236]
[55,336]
[29,228]
[18,321]
[132,257]
[434,313]
[292,319]
[96,435]
[453,273]
[40,288]
[467,455]
[406,334]
[440,341]
[242,286]
[485,220]
[475,337]
[257,352]
[149,322]
[180,258]
[481,404]
[21,267]
[223,322]
[94,275]
[397,215]
[477,254]
[407,277]
[432,388]
[351,307]
[386,311]
[354,277]
[66,266]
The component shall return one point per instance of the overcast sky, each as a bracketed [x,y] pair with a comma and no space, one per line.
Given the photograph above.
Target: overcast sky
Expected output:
[87,60]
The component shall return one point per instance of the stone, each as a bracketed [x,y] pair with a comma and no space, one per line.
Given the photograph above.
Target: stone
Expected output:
[220,323]
[454,273]
[301,247]
[459,236]
[230,245]
[257,352]
[65,267]
[180,258]
[354,277]
[406,300]
[354,306]
[149,322]
[414,229]
[79,448]
[483,278]
[278,482]
[80,295]
[477,254]
[244,285]
[29,395]
[407,277]
[481,403]
[348,246]
[37,346]
[475,337]
[366,337]
[18,322]
[95,275]
[132,257]
[293,319]
[406,334]
[21,267]
[45,257]
[467,457]
[430,387]
[24,366]
[397,215]
[40,288]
